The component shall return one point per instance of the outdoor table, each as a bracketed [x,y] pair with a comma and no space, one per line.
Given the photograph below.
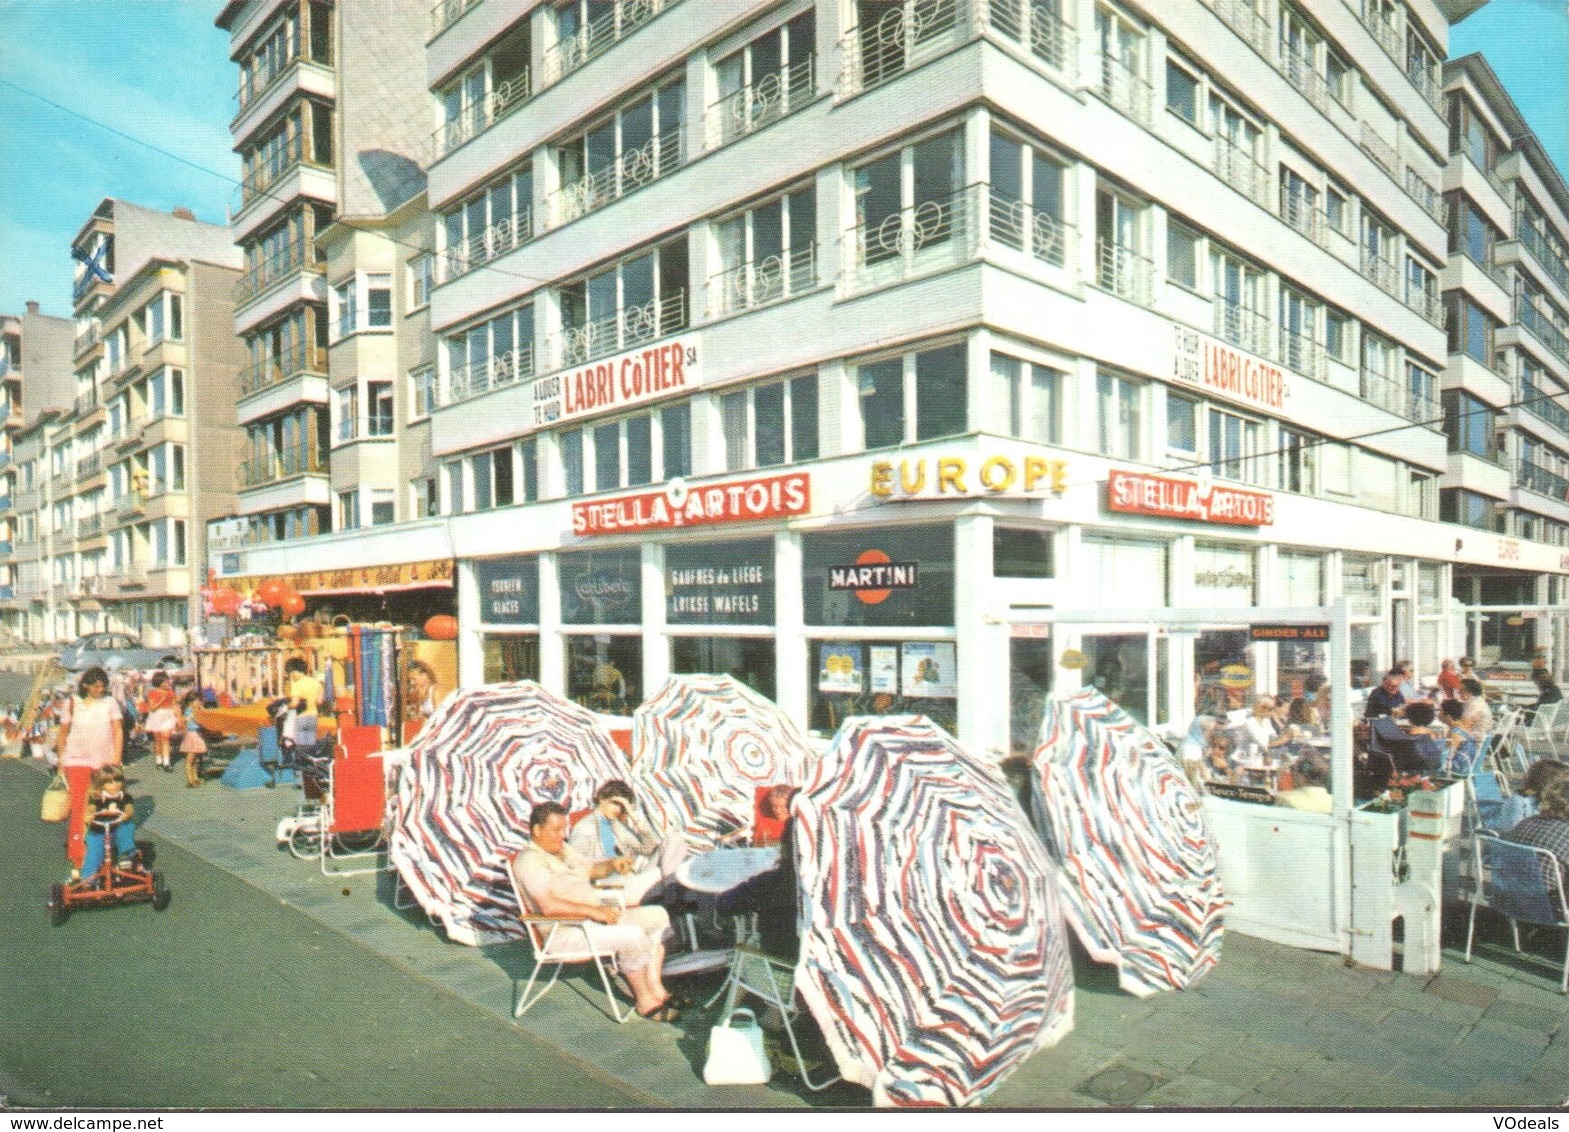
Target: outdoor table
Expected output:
[713,874]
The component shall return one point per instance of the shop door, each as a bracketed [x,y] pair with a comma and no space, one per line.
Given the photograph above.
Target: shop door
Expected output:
[1029,685]
[1118,664]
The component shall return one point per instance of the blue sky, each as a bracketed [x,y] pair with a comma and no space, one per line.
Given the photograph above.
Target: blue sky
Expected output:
[159,70]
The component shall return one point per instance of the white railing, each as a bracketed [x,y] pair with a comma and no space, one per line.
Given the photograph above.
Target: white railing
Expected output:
[482,247]
[1301,74]
[1399,398]
[1426,303]
[1244,19]
[766,101]
[1024,228]
[929,236]
[479,116]
[446,13]
[1304,217]
[757,283]
[1380,151]
[1125,89]
[595,38]
[1382,273]
[1386,32]
[1536,242]
[1427,85]
[622,331]
[494,373]
[1301,354]
[1237,166]
[1034,28]
[1243,327]
[1422,191]
[1124,272]
[904,38]
[660,155]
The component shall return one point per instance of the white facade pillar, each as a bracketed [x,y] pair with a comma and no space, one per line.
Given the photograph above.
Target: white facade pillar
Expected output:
[552,649]
[831,17]
[791,690]
[831,223]
[656,647]
[840,421]
[1071,571]
[471,647]
[982,641]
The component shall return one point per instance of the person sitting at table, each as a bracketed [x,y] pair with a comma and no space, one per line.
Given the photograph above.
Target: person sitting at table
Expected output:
[1218,751]
[1548,828]
[1448,680]
[772,896]
[611,831]
[1261,727]
[773,812]
[1477,718]
[558,881]
[1522,803]
[1429,738]
[1547,692]
[1386,698]
[1311,791]
[1299,714]
[1408,689]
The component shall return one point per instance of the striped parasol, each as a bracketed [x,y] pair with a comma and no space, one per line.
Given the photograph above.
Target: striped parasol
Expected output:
[701,748]
[474,775]
[934,958]
[1140,876]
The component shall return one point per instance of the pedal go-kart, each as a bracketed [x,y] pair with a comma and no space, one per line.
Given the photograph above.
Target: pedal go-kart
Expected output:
[111,885]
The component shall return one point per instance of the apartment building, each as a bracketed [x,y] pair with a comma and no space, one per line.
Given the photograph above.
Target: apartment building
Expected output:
[35,376]
[1506,292]
[813,341]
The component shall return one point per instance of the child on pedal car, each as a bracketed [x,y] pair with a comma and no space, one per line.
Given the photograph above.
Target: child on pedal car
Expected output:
[108,801]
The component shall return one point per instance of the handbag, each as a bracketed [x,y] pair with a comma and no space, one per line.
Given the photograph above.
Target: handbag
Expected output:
[57,800]
[735,1052]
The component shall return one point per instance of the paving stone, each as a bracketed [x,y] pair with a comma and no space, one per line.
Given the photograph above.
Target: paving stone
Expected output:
[1526,1017]
[1287,1090]
[1504,1033]
[1193,1092]
[1468,991]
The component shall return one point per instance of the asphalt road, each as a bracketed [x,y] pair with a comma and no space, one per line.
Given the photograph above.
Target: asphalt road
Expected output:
[230,1000]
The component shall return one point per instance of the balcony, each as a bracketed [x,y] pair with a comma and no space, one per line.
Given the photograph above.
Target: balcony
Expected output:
[595,38]
[274,467]
[1534,477]
[1300,214]
[275,371]
[1386,32]
[1237,166]
[776,96]
[1420,190]
[1543,407]
[130,505]
[482,115]
[1301,74]
[1428,304]
[1381,273]
[130,576]
[1382,153]
[259,181]
[758,283]
[1541,324]
[87,339]
[479,249]
[1244,328]
[447,13]
[89,465]
[286,261]
[89,526]
[659,156]
[1536,242]
[1241,17]
[471,381]
[1427,85]
[1124,273]
[1125,89]
[1399,398]
[632,327]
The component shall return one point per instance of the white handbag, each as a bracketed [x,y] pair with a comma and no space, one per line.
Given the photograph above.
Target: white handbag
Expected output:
[735,1052]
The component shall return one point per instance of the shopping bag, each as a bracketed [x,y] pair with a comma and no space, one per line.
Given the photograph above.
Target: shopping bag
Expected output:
[57,801]
[735,1052]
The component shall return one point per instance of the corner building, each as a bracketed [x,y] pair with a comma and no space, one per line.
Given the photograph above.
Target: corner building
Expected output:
[829,343]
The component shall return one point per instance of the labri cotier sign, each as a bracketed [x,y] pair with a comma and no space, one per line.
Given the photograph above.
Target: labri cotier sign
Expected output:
[649,373]
[1218,368]
[1140,493]
[680,505]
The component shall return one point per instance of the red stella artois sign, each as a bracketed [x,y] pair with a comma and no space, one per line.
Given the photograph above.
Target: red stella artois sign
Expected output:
[1139,493]
[679,505]
[1225,370]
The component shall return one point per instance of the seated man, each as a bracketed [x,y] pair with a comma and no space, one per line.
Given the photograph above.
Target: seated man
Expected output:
[1311,792]
[1386,698]
[558,881]
[1427,735]
[1548,828]
[612,832]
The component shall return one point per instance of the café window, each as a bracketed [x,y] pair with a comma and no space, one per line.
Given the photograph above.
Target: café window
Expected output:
[769,425]
[601,587]
[1027,399]
[605,671]
[508,590]
[510,657]
[751,660]
[894,576]
[917,396]
[1021,553]
[1222,575]
[879,677]
[720,583]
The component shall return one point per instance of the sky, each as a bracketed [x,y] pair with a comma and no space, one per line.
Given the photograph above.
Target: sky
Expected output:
[160,71]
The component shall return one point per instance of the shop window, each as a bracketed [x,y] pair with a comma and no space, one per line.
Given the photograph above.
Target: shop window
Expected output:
[1299,579]
[1118,666]
[510,658]
[769,425]
[605,672]
[720,583]
[750,660]
[601,587]
[929,390]
[1222,576]
[1027,399]
[1019,553]
[508,590]
[894,576]
[1119,415]
[873,677]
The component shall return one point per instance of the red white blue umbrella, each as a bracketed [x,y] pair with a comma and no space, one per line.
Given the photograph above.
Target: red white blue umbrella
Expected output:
[1140,875]
[702,746]
[474,775]
[934,955]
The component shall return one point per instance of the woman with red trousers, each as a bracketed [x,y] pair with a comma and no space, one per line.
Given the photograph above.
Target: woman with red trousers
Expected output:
[90,737]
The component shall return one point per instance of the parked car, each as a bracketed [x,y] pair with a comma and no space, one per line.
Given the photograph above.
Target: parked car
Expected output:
[115,650]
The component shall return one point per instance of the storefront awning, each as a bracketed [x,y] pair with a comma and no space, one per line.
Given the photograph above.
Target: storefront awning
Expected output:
[357,579]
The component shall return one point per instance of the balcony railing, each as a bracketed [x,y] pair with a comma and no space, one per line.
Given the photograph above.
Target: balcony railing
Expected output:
[1426,303]
[1301,214]
[279,264]
[1125,273]
[480,116]
[1237,166]
[1427,84]
[499,372]
[1301,74]
[657,157]
[276,466]
[89,465]
[1125,89]
[1541,324]
[1244,328]
[1025,228]
[87,339]
[269,170]
[1035,28]
[1534,477]
[1542,405]
[1241,17]
[1383,274]
[1420,190]
[929,236]
[1536,242]
[131,504]
[1384,31]
[1301,354]
[777,95]
[1380,151]
[131,575]
[446,13]
[482,247]
[274,371]
[903,39]
[86,402]
[377,426]
[599,36]
[1399,398]
[89,526]
[757,283]
[622,331]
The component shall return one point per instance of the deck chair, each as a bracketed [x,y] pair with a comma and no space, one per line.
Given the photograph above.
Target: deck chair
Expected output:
[755,972]
[354,817]
[1521,883]
[1542,727]
[558,941]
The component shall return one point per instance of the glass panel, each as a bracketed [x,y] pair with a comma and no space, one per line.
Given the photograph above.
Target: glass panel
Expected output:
[640,451]
[749,659]
[769,416]
[1029,683]
[1118,665]
[601,587]
[881,387]
[721,583]
[605,673]
[511,658]
[914,566]
[941,392]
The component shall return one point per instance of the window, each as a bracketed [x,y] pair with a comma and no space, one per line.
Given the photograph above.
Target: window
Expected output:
[348,510]
[769,425]
[348,400]
[1421,287]
[890,191]
[1234,445]
[1468,424]
[1339,74]
[493,221]
[363,302]
[1297,457]
[176,317]
[1027,198]
[176,393]
[1469,327]
[378,300]
[1298,328]
[1027,399]
[454,475]
[1119,415]
[1299,203]
[424,498]
[639,143]
[530,457]
[1469,134]
[421,279]
[378,405]
[1470,232]
[676,426]
[1018,553]
[1456,505]
[155,319]
[177,537]
[1239,307]
[1337,335]
[766,79]
[422,392]
[492,479]
[497,352]
[1182,256]
[1119,234]
[383,506]
[1182,423]
[348,320]
[1182,92]
[934,380]
[572,461]
[637,300]
[1337,209]
[766,253]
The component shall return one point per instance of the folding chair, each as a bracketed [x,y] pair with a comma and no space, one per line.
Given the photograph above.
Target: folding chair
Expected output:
[1521,883]
[557,941]
[1542,726]
[354,817]
[757,973]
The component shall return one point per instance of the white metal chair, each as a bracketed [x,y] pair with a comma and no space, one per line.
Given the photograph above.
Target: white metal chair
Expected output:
[773,980]
[1521,883]
[558,941]
[1541,727]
